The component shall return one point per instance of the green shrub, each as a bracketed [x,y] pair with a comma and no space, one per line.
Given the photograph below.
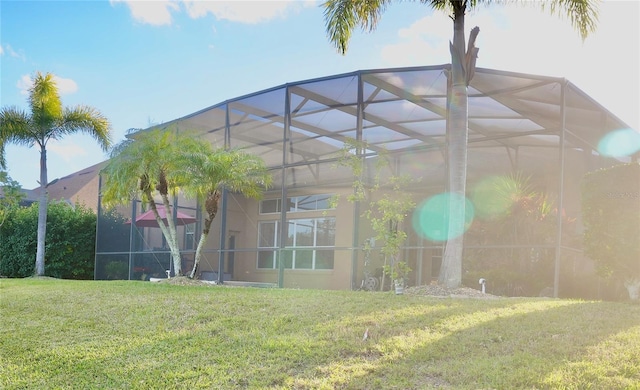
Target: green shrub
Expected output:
[117,270]
[611,213]
[69,244]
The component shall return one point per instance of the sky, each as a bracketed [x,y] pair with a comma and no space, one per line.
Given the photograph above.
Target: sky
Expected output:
[146,62]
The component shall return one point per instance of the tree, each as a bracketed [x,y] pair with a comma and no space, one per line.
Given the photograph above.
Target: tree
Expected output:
[48,120]
[10,196]
[222,169]
[387,205]
[165,162]
[341,18]
[611,207]
[146,165]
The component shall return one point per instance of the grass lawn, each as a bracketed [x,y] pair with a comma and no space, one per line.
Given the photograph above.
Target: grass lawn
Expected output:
[59,334]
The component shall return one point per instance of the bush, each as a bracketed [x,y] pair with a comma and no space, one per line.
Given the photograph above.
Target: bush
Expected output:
[611,213]
[69,244]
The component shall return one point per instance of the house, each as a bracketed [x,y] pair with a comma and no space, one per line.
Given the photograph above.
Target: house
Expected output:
[542,128]
[79,187]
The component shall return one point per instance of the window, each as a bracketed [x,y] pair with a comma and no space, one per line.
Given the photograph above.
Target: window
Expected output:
[296,204]
[270,206]
[309,203]
[309,243]
[189,236]
[267,238]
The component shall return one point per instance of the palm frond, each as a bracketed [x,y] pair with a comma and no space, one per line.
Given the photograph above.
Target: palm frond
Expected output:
[440,5]
[44,100]
[14,128]
[342,16]
[87,120]
[583,14]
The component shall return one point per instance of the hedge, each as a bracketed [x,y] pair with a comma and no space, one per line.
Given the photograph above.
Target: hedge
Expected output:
[69,244]
[611,216]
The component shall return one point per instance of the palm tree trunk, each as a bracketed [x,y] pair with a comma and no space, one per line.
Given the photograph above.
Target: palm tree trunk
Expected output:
[201,244]
[211,208]
[451,271]
[172,238]
[169,231]
[42,213]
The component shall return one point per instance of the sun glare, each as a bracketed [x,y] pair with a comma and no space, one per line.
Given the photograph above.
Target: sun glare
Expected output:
[431,218]
[488,200]
[620,143]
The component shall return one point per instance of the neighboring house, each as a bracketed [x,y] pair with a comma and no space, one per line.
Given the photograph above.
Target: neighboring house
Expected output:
[545,127]
[79,187]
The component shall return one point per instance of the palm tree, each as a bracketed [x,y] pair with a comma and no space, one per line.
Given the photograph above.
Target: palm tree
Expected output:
[48,120]
[166,162]
[343,16]
[144,166]
[232,170]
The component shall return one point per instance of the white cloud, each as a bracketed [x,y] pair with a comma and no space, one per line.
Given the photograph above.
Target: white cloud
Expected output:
[24,84]
[67,150]
[154,12]
[65,86]
[249,12]
[9,50]
[158,13]
[423,42]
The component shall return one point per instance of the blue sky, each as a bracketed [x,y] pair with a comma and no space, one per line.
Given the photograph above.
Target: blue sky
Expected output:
[145,62]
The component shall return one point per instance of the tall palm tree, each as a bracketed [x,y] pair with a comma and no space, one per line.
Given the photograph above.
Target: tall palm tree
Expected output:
[343,16]
[48,120]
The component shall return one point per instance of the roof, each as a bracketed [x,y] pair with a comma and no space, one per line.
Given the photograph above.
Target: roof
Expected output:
[80,186]
[404,110]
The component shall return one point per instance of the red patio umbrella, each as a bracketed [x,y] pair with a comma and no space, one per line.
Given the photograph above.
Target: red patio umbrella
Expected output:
[148,219]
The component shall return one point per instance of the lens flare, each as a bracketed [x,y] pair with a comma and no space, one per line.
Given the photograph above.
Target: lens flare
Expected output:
[620,143]
[431,218]
[489,198]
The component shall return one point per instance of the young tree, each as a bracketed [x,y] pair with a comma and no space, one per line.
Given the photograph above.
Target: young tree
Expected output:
[165,162]
[387,205]
[48,120]
[343,16]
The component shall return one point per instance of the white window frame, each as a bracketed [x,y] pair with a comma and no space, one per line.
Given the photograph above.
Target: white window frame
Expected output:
[293,247]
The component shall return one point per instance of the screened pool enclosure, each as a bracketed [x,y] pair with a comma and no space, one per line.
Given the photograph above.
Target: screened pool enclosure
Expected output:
[533,136]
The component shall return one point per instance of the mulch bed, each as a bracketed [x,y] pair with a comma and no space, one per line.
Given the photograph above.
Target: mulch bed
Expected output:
[431,290]
[435,290]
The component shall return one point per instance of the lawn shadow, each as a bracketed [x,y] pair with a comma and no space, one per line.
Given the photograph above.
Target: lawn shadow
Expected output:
[489,350]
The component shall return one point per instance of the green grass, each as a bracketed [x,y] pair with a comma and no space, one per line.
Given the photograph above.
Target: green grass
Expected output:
[57,334]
